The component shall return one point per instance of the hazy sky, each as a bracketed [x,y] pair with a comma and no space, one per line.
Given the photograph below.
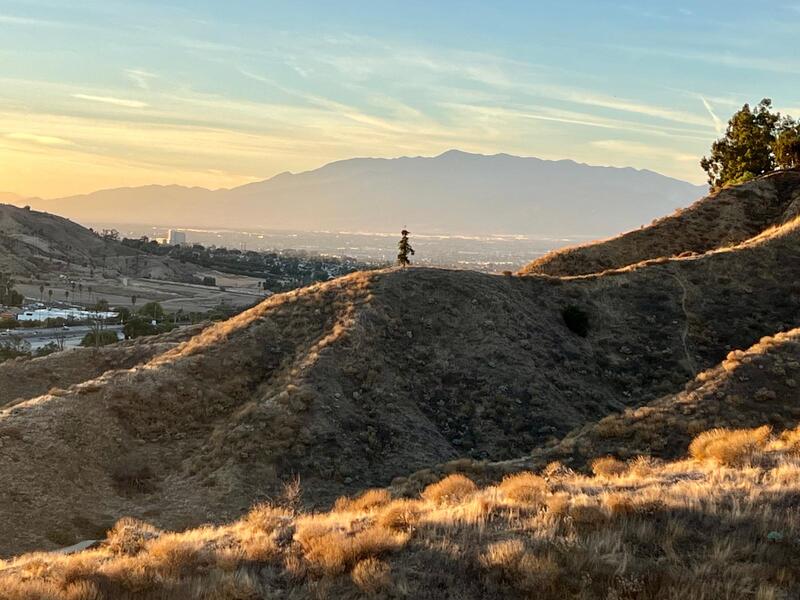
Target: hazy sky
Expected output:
[107,93]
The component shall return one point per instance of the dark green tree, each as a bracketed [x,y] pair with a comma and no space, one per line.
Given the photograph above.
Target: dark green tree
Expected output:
[405,249]
[787,146]
[745,151]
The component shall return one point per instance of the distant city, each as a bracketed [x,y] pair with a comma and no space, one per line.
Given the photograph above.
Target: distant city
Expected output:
[489,253]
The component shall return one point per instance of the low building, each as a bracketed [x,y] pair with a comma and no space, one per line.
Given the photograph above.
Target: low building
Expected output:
[75,314]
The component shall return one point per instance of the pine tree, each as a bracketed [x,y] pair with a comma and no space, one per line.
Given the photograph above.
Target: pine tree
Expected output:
[404,249]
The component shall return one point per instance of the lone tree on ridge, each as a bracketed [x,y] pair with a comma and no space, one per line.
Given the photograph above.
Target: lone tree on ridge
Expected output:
[404,249]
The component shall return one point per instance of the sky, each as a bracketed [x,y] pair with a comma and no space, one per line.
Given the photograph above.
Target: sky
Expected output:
[109,93]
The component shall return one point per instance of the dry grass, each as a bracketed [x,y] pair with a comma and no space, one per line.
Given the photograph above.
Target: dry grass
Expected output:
[450,490]
[526,487]
[691,529]
[608,466]
[730,446]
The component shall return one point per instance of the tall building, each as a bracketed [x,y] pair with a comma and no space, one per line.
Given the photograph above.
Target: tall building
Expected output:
[176,237]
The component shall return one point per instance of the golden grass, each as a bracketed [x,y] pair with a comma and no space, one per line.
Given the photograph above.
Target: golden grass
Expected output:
[730,446]
[723,526]
[452,489]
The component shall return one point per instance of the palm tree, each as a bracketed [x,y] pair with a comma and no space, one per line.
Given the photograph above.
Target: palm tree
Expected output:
[50,295]
[41,293]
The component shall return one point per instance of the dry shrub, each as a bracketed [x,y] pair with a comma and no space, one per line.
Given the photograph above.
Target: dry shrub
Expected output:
[367,501]
[525,487]
[371,575]
[791,439]
[556,469]
[400,515]
[332,551]
[265,517]
[129,536]
[515,565]
[174,555]
[642,466]
[450,490]
[558,503]
[608,466]
[133,475]
[586,512]
[729,446]
[619,504]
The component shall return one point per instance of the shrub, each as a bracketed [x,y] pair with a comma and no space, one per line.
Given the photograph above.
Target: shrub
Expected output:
[515,565]
[400,515]
[524,487]
[608,466]
[367,501]
[132,475]
[265,517]
[576,319]
[99,338]
[371,575]
[331,551]
[129,536]
[729,446]
[450,490]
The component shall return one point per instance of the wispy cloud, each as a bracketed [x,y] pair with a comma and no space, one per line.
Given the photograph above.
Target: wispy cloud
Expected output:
[111,100]
[45,140]
[17,20]
[140,77]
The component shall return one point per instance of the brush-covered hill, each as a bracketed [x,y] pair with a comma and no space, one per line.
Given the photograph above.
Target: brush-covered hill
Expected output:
[33,242]
[753,387]
[722,219]
[354,382]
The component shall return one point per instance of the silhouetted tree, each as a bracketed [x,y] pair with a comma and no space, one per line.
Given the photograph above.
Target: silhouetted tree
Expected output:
[405,249]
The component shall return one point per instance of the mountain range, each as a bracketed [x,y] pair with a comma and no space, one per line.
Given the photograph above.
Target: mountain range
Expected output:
[455,192]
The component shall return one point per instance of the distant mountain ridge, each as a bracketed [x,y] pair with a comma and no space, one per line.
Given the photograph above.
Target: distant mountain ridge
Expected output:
[454,192]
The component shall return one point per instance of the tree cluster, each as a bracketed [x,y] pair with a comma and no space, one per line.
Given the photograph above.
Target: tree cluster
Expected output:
[756,141]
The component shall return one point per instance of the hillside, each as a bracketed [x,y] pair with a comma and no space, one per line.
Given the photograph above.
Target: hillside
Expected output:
[455,192]
[425,365]
[33,242]
[751,387]
[725,218]
[25,378]
[719,526]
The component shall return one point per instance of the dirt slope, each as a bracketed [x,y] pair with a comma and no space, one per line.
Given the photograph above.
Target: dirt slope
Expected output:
[353,382]
[722,219]
[760,385]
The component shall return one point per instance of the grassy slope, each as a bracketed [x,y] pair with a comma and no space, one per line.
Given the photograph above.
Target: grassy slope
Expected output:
[722,219]
[690,529]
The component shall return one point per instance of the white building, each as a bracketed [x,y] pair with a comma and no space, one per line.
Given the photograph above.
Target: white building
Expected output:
[42,314]
[176,237]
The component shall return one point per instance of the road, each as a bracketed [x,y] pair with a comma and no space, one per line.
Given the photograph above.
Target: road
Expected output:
[41,337]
